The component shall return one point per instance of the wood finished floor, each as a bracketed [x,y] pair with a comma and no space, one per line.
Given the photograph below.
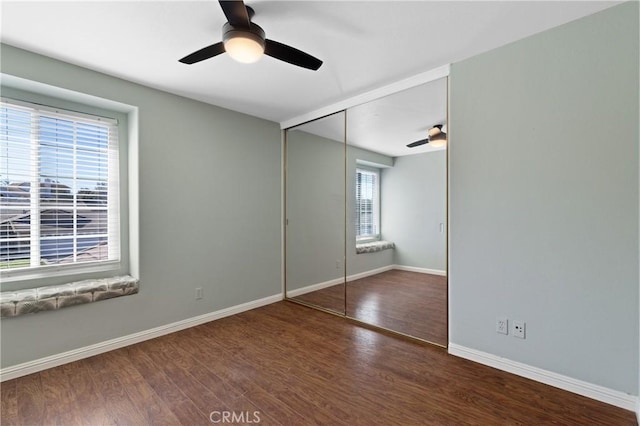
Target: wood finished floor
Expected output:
[409,302]
[294,366]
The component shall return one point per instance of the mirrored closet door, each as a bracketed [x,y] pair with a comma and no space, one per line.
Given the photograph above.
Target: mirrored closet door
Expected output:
[366,213]
[315,213]
[396,212]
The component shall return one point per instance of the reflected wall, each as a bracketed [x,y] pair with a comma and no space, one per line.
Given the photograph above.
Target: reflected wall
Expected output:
[315,213]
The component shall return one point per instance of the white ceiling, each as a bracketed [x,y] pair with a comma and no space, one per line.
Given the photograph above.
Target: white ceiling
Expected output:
[364,44]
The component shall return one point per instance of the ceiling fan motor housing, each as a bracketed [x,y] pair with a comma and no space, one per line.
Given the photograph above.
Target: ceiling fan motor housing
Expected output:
[254,32]
[246,42]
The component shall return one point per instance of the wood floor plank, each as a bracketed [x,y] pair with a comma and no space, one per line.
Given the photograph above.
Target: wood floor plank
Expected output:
[180,404]
[60,403]
[117,401]
[344,391]
[408,302]
[9,408]
[31,400]
[88,394]
[165,356]
[249,376]
[150,405]
[292,366]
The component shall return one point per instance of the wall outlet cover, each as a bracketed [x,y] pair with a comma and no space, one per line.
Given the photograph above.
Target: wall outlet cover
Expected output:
[502,325]
[519,329]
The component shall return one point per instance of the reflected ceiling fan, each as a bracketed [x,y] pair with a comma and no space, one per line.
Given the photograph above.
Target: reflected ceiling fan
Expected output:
[245,41]
[437,138]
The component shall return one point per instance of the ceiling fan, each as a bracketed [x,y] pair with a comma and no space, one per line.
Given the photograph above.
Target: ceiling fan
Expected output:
[437,138]
[245,41]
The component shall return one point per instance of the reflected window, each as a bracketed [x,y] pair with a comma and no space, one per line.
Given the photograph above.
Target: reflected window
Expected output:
[367,204]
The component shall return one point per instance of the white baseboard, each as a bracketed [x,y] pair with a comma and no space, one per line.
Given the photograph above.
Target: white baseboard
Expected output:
[420,270]
[369,273]
[590,390]
[336,281]
[638,410]
[30,367]
[314,287]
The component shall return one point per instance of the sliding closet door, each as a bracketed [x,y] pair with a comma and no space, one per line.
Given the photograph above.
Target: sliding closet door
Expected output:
[396,211]
[315,213]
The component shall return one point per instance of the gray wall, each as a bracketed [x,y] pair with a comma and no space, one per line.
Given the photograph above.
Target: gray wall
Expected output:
[413,207]
[544,199]
[315,209]
[205,175]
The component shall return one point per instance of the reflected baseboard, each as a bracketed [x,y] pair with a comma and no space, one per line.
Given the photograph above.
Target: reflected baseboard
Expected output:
[420,270]
[314,287]
[369,273]
[336,281]
[319,286]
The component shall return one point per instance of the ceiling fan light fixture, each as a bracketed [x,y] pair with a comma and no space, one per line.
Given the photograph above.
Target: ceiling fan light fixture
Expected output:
[437,138]
[438,141]
[245,41]
[245,46]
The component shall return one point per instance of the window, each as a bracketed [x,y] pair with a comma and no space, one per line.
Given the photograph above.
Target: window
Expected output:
[59,184]
[367,204]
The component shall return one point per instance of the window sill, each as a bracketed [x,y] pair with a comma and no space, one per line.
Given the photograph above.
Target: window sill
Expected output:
[374,246]
[20,302]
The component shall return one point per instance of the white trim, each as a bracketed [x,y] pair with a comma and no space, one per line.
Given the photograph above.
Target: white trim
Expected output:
[638,410]
[353,277]
[421,270]
[133,178]
[590,390]
[336,281]
[368,273]
[314,287]
[34,366]
[389,89]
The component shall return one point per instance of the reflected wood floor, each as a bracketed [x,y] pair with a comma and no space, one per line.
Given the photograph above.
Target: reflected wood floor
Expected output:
[291,365]
[409,302]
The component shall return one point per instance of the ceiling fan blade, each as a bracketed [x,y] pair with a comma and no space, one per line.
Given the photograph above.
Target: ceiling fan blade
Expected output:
[418,143]
[204,53]
[291,55]
[236,13]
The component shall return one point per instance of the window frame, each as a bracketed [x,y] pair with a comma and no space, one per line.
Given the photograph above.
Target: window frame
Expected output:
[81,270]
[376,205]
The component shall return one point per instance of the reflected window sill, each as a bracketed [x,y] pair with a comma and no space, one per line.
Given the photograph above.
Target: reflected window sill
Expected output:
[374,246]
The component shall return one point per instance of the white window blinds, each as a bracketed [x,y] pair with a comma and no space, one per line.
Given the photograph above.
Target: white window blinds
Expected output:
[59,186]
[367,204]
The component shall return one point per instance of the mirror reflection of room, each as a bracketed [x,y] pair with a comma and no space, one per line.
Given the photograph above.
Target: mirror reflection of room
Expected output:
[315,213]
[394,177]
[396,210]
[397,277]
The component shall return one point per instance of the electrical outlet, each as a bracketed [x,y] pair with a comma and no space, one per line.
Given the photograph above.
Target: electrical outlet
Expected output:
[199,293]
[519,329]
[502,325]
